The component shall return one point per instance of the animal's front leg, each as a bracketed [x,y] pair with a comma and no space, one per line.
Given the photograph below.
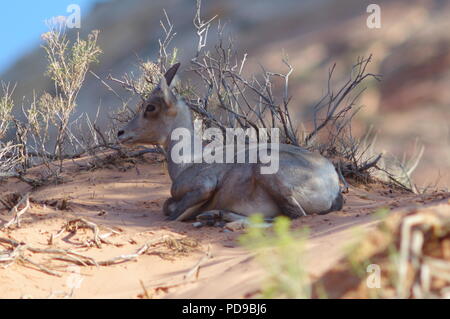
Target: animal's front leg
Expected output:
[169,206]
[185,207]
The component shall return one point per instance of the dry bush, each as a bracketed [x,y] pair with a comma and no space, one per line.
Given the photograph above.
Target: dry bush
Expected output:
[223,96]
[399,171]
[141,85]
[8,151]
[148,77]
[9,159]
[6,107]
[228,98]
[68,66]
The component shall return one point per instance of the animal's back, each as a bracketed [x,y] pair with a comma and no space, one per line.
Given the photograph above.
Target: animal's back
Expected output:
[242,188]
[312,178]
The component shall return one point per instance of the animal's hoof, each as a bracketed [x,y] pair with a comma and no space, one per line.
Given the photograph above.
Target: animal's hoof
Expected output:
[219,215]
[237,225]
[172,217]
[210,218]
[244,223]
[198,225]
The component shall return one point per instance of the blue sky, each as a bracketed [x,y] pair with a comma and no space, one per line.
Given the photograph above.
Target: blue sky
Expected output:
[23,21]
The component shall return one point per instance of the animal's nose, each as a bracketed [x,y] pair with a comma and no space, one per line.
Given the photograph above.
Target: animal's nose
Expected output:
[121,132]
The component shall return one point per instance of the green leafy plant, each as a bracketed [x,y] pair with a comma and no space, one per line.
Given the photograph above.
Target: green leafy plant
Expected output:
[280,251]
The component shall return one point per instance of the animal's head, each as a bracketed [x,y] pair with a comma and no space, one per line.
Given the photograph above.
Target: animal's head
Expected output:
[155,117]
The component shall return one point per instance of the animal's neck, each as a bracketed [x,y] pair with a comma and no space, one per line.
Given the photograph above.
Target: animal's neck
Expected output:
[183,121]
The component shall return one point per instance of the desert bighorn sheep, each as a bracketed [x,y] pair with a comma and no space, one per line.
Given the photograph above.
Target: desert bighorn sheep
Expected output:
[305,183]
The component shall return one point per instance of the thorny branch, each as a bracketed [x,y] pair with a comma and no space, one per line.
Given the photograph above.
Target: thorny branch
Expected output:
[332,102]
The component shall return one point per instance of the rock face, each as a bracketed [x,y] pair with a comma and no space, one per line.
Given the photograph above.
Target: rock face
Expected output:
[411,51]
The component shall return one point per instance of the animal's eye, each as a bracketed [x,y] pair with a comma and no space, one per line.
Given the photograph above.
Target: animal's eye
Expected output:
[150,108]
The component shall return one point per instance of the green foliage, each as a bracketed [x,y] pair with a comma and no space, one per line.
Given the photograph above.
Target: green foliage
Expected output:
[280,252]
[355,251]
[382,213]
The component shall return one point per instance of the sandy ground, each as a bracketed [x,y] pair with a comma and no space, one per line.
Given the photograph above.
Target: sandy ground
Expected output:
[128,201]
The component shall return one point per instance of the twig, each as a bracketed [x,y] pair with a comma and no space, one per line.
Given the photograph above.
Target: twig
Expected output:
[17,214]
[195,271]
[16,254]
[39,267]
[342,178]
[79,223]
[370,164]
[146,292]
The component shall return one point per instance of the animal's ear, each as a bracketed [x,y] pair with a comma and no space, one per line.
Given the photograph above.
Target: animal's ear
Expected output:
[169,98]
[170,74]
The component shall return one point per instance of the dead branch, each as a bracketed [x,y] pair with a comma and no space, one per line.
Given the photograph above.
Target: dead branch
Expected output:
[195,271]
[39,267]
[15,254]
[18,213]
[230,99]
[370,164]
[125,258]
[80,223]
[332,102]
